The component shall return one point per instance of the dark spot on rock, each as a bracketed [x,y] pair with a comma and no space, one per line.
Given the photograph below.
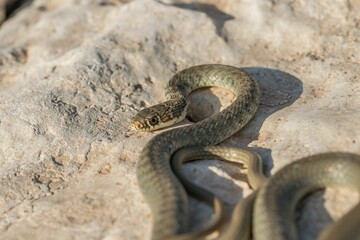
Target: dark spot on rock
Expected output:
[314,56]
[105,3]
[148,80]
[41,8]
[138,87]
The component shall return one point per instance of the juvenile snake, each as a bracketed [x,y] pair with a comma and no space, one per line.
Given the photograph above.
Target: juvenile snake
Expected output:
[166,195]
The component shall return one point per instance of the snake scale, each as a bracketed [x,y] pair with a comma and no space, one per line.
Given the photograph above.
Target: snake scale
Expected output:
[270,209]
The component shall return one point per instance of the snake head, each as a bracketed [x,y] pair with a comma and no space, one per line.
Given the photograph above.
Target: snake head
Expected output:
[153,118]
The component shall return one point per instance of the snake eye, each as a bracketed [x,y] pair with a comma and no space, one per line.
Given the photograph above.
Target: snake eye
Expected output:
[154,120]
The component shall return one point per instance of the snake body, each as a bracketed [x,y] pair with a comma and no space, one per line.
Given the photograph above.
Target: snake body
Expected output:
[271,209]
[166,195]
[239,225]
[275,204]
[162,190]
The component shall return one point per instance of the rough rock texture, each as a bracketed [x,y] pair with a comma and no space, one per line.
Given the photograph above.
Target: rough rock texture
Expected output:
[73,72]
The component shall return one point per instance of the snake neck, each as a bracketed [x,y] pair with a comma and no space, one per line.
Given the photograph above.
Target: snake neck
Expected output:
[239,82]
[177,109]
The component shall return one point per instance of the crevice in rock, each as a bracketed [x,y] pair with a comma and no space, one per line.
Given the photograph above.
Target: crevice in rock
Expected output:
[12,6]
[217,16]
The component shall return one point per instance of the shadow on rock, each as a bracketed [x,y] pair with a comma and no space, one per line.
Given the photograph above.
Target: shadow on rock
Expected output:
[217,16]
[278,90]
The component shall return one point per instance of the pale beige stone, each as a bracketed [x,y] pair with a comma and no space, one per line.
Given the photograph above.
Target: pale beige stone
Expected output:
[72,73]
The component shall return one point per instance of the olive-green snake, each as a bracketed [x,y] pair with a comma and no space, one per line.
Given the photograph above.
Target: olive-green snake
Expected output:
[269,211]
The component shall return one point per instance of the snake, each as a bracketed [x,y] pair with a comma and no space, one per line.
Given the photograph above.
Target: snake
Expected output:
[268,213]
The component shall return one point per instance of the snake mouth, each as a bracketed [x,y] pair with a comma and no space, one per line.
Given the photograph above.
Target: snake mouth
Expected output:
[138,125]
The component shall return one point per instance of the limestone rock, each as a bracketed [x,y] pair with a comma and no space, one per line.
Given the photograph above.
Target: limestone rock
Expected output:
[72,73]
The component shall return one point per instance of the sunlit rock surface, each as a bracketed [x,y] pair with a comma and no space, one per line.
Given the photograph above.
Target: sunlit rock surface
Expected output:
[72,73]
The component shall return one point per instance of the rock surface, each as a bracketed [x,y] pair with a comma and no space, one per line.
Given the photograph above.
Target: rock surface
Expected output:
[72,73]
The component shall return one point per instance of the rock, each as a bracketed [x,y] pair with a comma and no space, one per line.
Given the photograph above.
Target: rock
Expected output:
[72,73]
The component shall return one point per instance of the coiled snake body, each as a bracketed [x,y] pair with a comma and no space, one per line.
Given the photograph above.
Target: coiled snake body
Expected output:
[166,195]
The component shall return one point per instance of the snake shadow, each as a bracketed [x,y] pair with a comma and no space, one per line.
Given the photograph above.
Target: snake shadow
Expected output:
[278,90]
